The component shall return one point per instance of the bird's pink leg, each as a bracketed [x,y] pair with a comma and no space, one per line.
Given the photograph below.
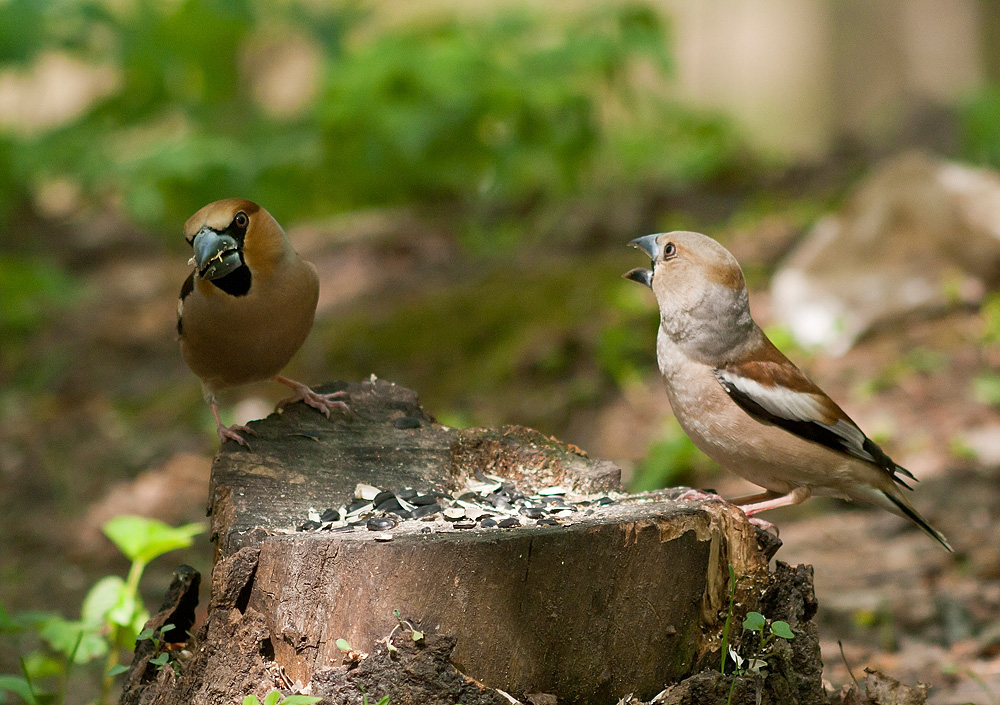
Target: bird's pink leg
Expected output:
[228,433]
[796,496]
[324,402]
[751,498]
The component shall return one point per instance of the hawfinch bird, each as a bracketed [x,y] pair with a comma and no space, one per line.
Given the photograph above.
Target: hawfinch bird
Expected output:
[742,402]
[247,307]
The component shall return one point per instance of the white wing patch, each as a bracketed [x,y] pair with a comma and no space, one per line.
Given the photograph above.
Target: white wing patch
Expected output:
[806,407]
[854,437]
[780,401]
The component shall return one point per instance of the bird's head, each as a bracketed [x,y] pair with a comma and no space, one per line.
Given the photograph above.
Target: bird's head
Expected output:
[698,284]
[231,239]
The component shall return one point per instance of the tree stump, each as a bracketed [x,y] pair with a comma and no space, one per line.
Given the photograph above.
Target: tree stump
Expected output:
[616,594]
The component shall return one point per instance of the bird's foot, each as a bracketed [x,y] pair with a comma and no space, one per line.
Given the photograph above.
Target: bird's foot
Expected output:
[692,495]
[229,433]
[764,524]
[325,403]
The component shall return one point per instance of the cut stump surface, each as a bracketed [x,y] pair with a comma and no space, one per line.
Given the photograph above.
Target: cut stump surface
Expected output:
[611,594]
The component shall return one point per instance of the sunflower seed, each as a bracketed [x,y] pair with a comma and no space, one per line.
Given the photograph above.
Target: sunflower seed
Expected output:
[380,523]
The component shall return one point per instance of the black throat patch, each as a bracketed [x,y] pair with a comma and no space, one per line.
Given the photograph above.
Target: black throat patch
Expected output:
[236,283]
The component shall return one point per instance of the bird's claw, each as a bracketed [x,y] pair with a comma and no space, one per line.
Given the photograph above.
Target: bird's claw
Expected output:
[229,433]
[692,495]
[764,525]
[325,403]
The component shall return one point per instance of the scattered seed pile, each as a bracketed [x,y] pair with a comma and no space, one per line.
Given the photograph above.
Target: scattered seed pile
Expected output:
[485,502]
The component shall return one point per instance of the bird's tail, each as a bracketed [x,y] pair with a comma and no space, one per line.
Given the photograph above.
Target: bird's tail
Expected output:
[899,505]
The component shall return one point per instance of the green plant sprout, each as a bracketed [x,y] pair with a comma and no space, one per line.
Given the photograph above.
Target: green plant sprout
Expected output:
[160,660]
[415,633]
[755,622]
[729,617]
[274,698]
[111,617]
[756,662]
[384,700]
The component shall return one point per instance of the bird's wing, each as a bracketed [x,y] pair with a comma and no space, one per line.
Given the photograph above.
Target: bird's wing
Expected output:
[773,390]
[186,290]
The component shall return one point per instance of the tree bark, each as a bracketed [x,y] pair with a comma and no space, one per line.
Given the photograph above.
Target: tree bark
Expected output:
[617,595]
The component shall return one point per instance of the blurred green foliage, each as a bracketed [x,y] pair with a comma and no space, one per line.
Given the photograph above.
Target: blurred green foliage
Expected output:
[990,313]
[498,113]
[551,339]
[671,460]
[32,291]
[916,361]
[980,127]
[112,617]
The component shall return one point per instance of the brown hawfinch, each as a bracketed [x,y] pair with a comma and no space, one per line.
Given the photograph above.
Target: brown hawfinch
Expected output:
[742,402]
[247,307]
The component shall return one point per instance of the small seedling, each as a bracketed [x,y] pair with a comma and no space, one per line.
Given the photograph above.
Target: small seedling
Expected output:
[111,617]
[755,663]
[415,633]
[729,617]
[755,622]
[349,653]
[384,700]
[274,698]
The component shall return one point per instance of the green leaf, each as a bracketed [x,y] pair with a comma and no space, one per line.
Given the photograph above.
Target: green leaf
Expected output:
[300,700]
[42,664]
[986,388]
[417,635]
[7,622]
[128,634]
[124,611]
[250,700]
[143,539]
[28,619]
[63,636]
[343,645]
[754,621]
[19,687]
[146,633]
[105,594]
[782,629]
[117,670]
[167,628]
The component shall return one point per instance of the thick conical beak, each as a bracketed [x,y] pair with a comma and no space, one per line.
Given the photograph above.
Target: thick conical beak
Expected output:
[643,276]
[648,245]
[215,254]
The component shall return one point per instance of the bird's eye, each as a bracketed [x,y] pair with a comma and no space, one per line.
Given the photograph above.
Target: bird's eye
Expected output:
[669,250]
[241,220]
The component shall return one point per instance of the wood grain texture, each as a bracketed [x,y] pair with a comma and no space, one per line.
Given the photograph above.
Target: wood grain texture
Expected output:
[620,598]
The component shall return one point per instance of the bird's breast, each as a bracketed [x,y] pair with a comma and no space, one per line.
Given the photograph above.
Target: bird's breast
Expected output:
[233,340]
[761,453]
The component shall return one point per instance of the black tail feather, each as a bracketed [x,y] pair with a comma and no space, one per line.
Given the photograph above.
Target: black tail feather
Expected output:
[912,515]
[903,471]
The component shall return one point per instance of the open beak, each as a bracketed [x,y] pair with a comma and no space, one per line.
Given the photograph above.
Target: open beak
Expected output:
[643,276]
[215,254]
[648,245]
